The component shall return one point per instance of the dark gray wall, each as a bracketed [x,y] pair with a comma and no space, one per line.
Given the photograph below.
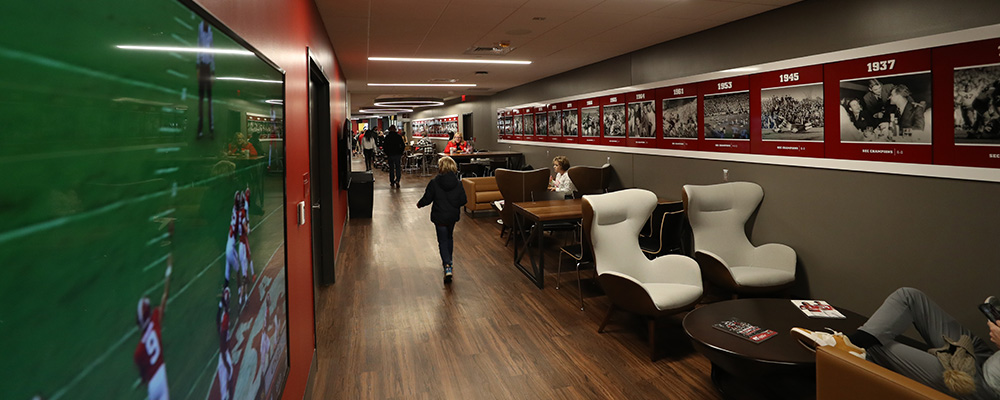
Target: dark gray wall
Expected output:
[858,235]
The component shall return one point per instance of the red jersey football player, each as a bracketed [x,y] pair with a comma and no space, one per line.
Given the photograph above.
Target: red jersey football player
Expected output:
[148,354]
[224,371]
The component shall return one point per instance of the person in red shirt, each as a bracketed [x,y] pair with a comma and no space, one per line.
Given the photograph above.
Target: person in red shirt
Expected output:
[242,146]
[457,145]
[148,356]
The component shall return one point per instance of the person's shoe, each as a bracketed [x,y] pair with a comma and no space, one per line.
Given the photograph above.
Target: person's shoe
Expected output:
[447,274]
[838,340]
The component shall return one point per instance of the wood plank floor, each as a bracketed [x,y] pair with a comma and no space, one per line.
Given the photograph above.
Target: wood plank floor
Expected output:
[391,329]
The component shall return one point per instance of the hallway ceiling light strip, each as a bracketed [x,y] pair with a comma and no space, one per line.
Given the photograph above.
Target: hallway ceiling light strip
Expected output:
[384,110]
[410,102]
[425,84]
[236,78]
[187,49]
[449,60]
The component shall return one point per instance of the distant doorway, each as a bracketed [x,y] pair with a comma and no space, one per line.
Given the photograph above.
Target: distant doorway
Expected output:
[321,171]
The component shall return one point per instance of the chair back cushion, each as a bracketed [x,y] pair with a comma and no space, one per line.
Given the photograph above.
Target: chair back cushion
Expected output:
[590,180]
[614,230]
[516,186]
[718,215]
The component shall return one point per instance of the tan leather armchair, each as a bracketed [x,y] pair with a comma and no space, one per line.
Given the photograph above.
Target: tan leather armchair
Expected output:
[480,192]
[590,180]
[842,376]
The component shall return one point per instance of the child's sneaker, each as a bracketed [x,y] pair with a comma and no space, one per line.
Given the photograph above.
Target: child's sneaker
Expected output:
[447,274]
[838,340]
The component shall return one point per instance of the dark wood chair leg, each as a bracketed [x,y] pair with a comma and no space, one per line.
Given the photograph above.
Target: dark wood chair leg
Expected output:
[652,339]
[607,318]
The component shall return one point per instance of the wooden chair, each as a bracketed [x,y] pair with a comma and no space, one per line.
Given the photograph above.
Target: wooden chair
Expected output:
[517,186]
[590,180]
[666,225]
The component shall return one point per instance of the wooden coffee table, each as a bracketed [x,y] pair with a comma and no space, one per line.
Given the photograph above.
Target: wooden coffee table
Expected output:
[779,367]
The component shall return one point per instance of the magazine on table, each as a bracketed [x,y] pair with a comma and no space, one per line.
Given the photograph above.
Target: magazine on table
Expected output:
[744,330]
[817,309]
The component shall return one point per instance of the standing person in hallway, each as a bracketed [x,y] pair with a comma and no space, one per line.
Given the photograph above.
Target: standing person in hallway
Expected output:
[368,146]
[393,149]
[446,194]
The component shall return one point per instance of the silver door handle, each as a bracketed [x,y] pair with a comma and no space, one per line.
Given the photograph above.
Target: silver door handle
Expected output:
[316,206]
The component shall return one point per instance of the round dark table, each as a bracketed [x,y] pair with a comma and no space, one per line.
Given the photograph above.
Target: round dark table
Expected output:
[779,367]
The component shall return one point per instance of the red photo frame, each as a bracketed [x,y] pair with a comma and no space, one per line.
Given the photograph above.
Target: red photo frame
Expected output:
[613,120]
[571,122]
[965,75]
[680,121]
[788,117]
[724,118]
[863,125]
[590,120]
[641,119]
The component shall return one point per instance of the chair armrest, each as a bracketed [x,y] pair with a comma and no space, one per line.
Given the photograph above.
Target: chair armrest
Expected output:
[840,375]
[774,255]
[470,192]
[674,268]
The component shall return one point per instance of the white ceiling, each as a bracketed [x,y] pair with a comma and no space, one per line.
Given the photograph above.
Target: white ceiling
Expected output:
[555,35]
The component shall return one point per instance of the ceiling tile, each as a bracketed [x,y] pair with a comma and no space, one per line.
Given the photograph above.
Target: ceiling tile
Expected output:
[694,9]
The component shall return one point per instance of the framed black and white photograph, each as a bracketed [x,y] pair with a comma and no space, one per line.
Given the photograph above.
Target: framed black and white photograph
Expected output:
[614,120]
[541,124]
[727,116]
[569,123]
[642,119]
[554,127]
[518,125]
[977,98]
[792,113]
[680,118]
[590,125]
[886,109]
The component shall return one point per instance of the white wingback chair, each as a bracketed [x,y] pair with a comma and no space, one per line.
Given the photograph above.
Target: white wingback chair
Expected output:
[652,288]
[718,215]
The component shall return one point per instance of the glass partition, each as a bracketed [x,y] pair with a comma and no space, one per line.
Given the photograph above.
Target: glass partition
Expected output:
[142,233]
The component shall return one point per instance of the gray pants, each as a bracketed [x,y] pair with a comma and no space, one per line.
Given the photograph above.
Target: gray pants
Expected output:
[908,307]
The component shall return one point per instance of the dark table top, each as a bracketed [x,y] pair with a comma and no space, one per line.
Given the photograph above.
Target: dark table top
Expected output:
[779,315]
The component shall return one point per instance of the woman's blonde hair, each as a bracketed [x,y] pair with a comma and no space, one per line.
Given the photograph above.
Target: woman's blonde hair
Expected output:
[446,165]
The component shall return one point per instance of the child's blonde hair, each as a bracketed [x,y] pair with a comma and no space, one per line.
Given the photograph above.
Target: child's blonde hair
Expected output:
[446,165]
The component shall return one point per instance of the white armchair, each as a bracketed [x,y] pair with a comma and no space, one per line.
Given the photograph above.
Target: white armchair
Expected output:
[718,215]
[652,288]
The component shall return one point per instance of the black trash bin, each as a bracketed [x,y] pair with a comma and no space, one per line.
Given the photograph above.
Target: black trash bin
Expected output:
[360,194]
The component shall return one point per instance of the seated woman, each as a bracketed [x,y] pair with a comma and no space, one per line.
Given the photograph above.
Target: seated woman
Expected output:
[561,183]
[242,146]
[457,145]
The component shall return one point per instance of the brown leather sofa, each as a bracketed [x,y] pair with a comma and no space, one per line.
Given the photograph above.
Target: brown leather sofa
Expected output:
[480,192]
[840,375]
[590,180]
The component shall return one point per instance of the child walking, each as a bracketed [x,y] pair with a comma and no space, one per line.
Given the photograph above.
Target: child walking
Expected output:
[446,194]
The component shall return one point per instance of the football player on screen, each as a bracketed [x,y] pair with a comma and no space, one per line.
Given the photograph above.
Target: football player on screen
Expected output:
[148,356]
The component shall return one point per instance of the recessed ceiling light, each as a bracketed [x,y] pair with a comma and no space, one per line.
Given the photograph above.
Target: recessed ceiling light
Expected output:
[410,102]
[187,49]
[449,60]
[425,84]
[384,110]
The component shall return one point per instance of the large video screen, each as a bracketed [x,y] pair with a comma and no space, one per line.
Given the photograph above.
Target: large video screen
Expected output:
[142,236]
